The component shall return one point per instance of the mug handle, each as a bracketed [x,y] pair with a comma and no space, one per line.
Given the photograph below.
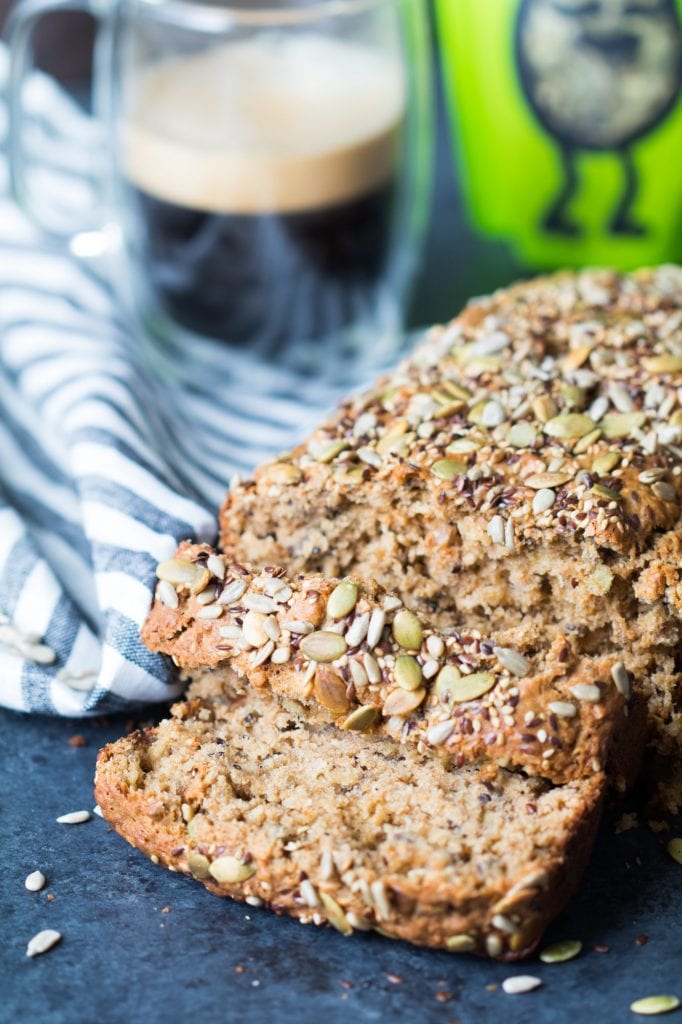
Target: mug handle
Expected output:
[89,239]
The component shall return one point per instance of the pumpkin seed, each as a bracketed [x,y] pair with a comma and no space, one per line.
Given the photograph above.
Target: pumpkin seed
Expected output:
[559,952]
[463,446]
[663,364]
[587,441]
[328,452]
[460,943]
[230,870]
[602,491]
[335,915]
[649,1006]
[540,481]
[342,600]
[473,686]
[402,702]
[475,414]
[569,425]
[323,646]
[177,571]
[445,680]
[674,848]
[621,424]
[573,396]
[448,469]
[521,435]
[330,690]
[408,672]
[360,719]
[456,390]
[407,630]
[282,474]
[199,866]
[605,462]
[544,408]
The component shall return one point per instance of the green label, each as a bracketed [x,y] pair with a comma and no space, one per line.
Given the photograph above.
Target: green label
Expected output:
[567,125]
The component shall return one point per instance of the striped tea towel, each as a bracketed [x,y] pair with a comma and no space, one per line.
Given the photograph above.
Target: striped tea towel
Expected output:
[102,468]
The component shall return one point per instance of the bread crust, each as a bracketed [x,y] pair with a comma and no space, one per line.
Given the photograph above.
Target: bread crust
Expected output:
[555,714]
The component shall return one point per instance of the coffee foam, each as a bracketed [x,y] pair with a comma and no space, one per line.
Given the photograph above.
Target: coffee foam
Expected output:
[277,123]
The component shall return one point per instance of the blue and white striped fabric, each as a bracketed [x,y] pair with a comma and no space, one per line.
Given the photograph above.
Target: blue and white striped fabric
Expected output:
[102,468]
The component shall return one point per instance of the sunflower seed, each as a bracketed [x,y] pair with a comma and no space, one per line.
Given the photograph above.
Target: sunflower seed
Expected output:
[435,646]
[167,594]
[380,899]
[260,603]
[407,630]
[210,611]
[512,661]
[342,600]
[323,646]
[620,396]
[253,630]
[335,915]
[216,565]
[207,596]
[621,678]
[460,944]
[503,924]
[360,719]
[586,691]
[357,631]
[263,654]
[562,708]
[232,633]
[543,500]
[559,952]
[430,668]
[232,592]
[408,672]
[519,983]
[402,702]
[649,1006]
[271,627]
[495,530]
[663,364]
[281,655]
[35,881]
[73,818]
[376,627]
[539,481]
[369,456]
[650,476]
[358,674]
[309,893]
[176,571]
[493,945]
[436,734]
[298,626]
[372,668]
[598,408]
[43,941]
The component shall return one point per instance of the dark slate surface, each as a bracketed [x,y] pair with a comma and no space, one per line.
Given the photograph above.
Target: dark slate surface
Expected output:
[122,959]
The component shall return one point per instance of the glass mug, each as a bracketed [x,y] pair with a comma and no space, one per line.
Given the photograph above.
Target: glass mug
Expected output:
[267,176]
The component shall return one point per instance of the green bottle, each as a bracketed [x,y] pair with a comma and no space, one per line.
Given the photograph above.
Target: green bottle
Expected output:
[567,125]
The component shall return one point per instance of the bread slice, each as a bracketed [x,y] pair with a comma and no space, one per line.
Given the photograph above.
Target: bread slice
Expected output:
[260,804]
[351,654]
[521,472]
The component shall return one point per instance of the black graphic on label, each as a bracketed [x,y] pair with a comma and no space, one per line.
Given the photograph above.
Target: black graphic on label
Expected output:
[599,75]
